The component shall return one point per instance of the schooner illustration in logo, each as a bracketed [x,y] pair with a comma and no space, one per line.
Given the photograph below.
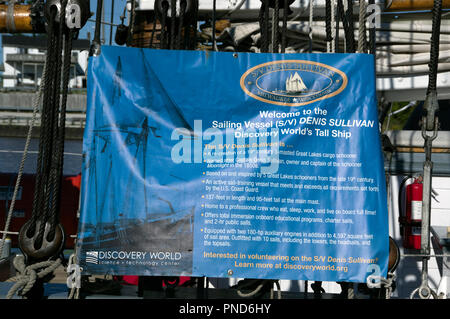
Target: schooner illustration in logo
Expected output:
[295,85]
[293,82]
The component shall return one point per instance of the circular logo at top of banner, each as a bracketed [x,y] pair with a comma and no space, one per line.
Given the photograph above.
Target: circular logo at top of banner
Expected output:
[293,82]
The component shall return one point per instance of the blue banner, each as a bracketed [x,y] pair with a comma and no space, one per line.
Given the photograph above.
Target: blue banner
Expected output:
[226,164]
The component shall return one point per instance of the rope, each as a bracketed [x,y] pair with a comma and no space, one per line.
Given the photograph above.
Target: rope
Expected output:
[194,28]
[165,8]
[276,282]
[28,275]
[284,28]
[310,34]
[153,31]
[48,134]
[337,35]
[335,42]
[95,47]
[213,22]
[351,27]
[362,47]
[183,5]
[276,16]
[36,103]
[372,40]
[350,293]
[329,37]
[173,17]
[43,140]
[263,25]
[345,25]
[132,19]
[59,152]
[434,52]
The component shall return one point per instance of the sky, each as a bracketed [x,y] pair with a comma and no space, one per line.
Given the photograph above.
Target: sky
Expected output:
[107,4]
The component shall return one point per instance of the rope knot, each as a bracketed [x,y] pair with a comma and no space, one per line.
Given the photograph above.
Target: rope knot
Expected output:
[28,275]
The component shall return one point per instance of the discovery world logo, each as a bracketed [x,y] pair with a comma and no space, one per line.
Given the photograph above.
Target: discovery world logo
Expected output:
[293,82]
[99,257]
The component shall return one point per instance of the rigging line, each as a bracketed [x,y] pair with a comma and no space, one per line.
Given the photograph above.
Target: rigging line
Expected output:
[194,26]
[165,8]
[343,18]
[153,30]
[333,26]
[275,17]
[434,52]
[310,33]
[263,20]
[105,22]
[276,22]
[284,28]
[37,101]
[183,5]
[53,129]
[131,24]
[329,37]
[213,22]
[47,101]
[35,152]
[266,24]
[362,46]
[236,8]
[372,40]
[336,32]
[49,135]
[61,136]
[351,26]
[111,24]
[173,17]
[98,18]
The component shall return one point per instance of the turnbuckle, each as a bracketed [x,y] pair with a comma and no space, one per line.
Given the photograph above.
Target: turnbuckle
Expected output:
[424,291]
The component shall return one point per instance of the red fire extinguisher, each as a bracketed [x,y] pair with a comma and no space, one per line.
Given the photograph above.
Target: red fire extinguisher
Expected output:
[411,217]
